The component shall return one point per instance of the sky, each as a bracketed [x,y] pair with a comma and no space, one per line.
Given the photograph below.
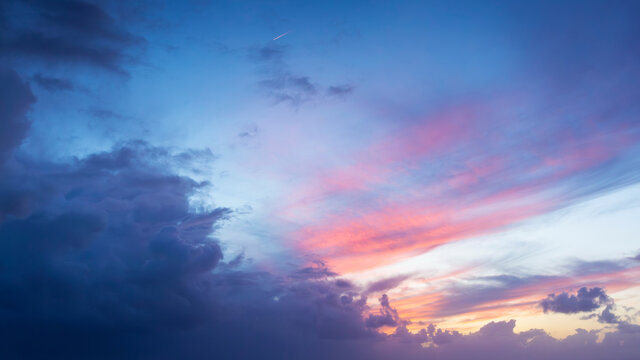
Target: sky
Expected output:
[337,179]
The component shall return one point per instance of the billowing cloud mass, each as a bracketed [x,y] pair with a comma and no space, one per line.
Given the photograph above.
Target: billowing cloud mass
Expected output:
[103,257]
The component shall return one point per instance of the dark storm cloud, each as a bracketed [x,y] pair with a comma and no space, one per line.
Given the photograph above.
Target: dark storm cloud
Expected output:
[104,244]
[107,259]
[584,300]
[104,257]
[64,32]
[52,84]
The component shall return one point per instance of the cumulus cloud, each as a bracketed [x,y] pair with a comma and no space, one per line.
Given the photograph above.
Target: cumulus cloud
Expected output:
[584,300]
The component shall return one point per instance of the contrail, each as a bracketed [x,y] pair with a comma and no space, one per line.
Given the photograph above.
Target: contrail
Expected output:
[279,36]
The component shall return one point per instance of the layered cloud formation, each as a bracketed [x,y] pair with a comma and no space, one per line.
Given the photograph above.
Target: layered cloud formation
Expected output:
[118,252]
[104,257]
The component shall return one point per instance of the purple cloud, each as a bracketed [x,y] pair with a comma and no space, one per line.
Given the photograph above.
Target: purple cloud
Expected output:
[584,300]
[387,316]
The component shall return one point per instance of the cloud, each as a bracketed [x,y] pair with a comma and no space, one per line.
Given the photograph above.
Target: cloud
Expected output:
[105,244]
[270,53]
[284,85]
[499,338]
[386,316]
[622,322]
[107,259]
[104,256]
[490,183]
[67,32]
[592,299]
[584,300]
[339,90]
[108,251]
[52,84]
[318,270]
[484,295]
[15,99]
[607,316]
[386,284]
[106,114]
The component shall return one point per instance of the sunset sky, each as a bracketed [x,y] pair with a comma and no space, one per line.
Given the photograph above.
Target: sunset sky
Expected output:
[319,179]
